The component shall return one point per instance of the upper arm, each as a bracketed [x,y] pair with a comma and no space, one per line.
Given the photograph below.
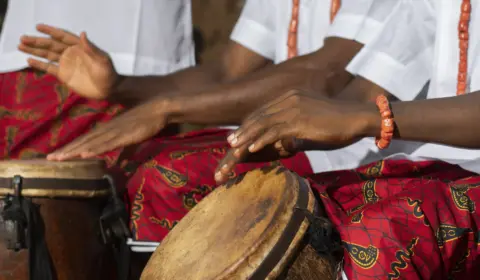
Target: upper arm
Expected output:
[238,61]
[256,27]
[252,41]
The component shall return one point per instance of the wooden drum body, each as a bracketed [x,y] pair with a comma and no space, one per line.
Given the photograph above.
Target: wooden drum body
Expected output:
[255,227]
[70,197]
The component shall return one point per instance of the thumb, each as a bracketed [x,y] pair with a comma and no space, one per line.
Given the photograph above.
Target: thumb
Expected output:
[290,145]
[91,49]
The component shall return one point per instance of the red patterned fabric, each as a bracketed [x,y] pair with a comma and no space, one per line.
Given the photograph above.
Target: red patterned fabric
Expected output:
[397,219]
[39,115]
[403,220]
[165,178]
[163,189]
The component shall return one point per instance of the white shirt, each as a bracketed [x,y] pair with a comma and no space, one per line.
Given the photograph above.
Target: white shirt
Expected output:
[263,28]
[263,25]
[427,37]
[142,36]
[399,58]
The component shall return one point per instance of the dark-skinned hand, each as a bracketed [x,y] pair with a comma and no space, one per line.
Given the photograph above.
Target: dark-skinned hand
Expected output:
[132,127]
[72,59]
[293,122]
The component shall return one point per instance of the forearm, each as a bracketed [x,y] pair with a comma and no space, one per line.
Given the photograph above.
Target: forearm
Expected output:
[452,121]
[133,90]
[233,63]
[322,72]
[229,104]
[362,90]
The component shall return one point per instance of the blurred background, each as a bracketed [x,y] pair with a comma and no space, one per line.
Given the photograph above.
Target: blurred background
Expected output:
[3,8]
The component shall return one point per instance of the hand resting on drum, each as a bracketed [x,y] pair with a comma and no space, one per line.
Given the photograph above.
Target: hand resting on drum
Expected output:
[296,121]
[132,127]
[73,59]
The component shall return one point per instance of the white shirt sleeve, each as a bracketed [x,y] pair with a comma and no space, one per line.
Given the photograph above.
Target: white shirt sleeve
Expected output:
[399,58]
[361,20]
[255,29]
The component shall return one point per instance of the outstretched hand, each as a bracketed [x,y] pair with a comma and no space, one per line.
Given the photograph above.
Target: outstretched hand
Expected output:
[293,122]
[73,59]
[132,127]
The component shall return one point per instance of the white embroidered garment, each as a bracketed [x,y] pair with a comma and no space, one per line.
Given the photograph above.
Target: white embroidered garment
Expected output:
[425,44]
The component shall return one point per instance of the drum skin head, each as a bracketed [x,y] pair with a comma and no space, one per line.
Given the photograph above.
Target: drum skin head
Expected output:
[229,233]
[42,168]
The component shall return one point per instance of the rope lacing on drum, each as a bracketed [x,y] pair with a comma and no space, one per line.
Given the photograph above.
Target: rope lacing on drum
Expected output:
[321,235]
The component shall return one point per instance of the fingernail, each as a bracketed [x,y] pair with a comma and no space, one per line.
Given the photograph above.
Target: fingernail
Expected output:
[251,147]
[234,141]
[89,155]
[218,176]
[224,167]
[236,152]
[278,144]
[231,137]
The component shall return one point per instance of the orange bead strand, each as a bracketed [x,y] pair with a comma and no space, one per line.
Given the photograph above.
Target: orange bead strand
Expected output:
[334,9]
[292,42]
[463,37]
[388,123]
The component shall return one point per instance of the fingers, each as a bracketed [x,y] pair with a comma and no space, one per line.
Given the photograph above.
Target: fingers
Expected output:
[254,139]
[220,175]
[43,43]
[101,146]
[68,151]
[275,106]
[60,35]
[50,68]
[272,136]
[89,145]
[44,53]
[228,163]
[90,149]
[252,129]
[104,139]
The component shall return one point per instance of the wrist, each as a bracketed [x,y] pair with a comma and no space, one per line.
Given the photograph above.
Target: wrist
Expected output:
[119,85]
[367,121]
[170,108]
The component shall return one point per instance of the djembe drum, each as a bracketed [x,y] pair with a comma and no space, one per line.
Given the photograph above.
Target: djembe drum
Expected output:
[51,216]
[261,226]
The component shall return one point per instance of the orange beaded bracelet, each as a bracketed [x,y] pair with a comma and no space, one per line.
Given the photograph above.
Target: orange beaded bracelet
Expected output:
[388,123]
